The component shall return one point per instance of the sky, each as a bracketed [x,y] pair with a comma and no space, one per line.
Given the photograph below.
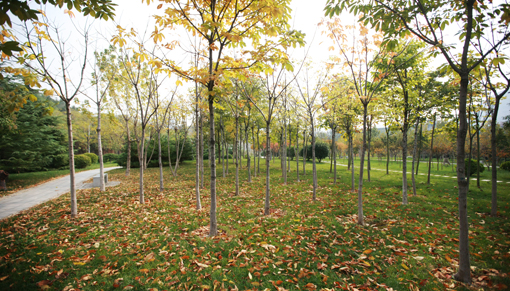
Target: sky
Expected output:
[132,13]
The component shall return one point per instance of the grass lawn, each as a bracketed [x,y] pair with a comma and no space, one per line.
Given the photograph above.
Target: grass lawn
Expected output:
[117,243]
[20,181]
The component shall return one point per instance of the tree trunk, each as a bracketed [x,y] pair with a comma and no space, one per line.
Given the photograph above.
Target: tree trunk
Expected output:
[258,151]
[70,148]
[213,231]
[128,162]
[160,160]
[415,148]
[100,149]
[141,149]
[387,150]
[201,125]
[368,148]
[254,157]
[236,151]
[313,160]
[404,149]
[419,148]
[197,145]
[494,170]
[268,144]
[333,153]
[296,153]
[431,149]
[351,157]
[225,150]
[284,153]
[304,153]
[248,165]
[477,152]
[361,165]
[464,273]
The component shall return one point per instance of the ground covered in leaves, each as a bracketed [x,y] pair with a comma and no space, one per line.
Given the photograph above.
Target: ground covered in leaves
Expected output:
[116,243]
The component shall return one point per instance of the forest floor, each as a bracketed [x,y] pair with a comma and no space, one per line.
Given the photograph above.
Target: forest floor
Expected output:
[116,242]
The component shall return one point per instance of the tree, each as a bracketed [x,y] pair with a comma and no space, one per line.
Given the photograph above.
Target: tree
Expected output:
[427,20]
[222,26]
[35,50]
[361,59]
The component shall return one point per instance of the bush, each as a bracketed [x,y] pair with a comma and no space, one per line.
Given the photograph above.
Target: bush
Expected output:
[82,161]
[59,161]
[505,166]
[94,159]
[321,151]
[473,163]
[110,157]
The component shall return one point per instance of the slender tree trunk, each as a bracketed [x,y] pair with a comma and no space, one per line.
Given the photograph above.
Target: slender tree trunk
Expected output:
[236,151]
[304,153]
[212,163]
[313,160]
[431,149]
[141,150]
[387,150]
[494,171]
[168,148]
[88,138]
[404,149]
[284,153]
[197,145]
[160,160]
[128,162]
[361,165]
[464,272]
[415,148]
[70,148]
[351,156]
[296,152]
[258,151]
[268,144]
[333,153]
[248,165]
[419,148]
[100,149]
[202,147]
[477,152]
[368,148]
[225,150]
[254,152]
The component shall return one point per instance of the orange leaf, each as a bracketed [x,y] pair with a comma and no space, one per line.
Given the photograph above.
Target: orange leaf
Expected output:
[366,252]
[448,259]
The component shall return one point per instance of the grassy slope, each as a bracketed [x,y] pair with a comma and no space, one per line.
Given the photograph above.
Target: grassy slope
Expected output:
[303,245]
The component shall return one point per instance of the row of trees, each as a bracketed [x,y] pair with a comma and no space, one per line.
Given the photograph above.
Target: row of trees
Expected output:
[239,67]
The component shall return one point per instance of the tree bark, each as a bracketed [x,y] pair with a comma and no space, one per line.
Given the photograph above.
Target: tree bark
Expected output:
[351,157]
[313,160]
[141,150]
[100,149]
[128,162]
[70,148]
[431,149]
[296,152]
[387,150]
[361,165]
[415,147]
[419,148]
[212,163]
[268,144]
[197,145]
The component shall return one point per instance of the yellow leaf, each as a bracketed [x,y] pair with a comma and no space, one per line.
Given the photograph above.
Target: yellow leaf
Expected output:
[404,266]
[79,263]
[178,83]
[366,252]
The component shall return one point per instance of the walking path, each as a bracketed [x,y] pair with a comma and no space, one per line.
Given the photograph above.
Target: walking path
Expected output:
[27,198]
[453,177]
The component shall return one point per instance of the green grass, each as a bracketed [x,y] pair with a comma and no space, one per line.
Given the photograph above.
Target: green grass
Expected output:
[20,181]
[116,242]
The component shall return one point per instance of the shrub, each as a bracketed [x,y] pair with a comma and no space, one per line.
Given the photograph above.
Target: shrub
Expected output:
[473,163]
[82,161]
[94,159]
[505,166]
[321,151]
[110,157]
[60,161]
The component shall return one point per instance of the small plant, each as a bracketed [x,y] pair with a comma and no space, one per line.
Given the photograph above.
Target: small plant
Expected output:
[110,157]
[82,161]
[94,159]
[505,166]
[60,161]
[474,164]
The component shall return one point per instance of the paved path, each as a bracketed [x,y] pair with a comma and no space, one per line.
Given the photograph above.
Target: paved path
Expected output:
[27,198]
[453,177]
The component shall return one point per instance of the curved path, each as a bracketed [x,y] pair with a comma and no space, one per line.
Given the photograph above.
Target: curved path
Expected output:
[27,198]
